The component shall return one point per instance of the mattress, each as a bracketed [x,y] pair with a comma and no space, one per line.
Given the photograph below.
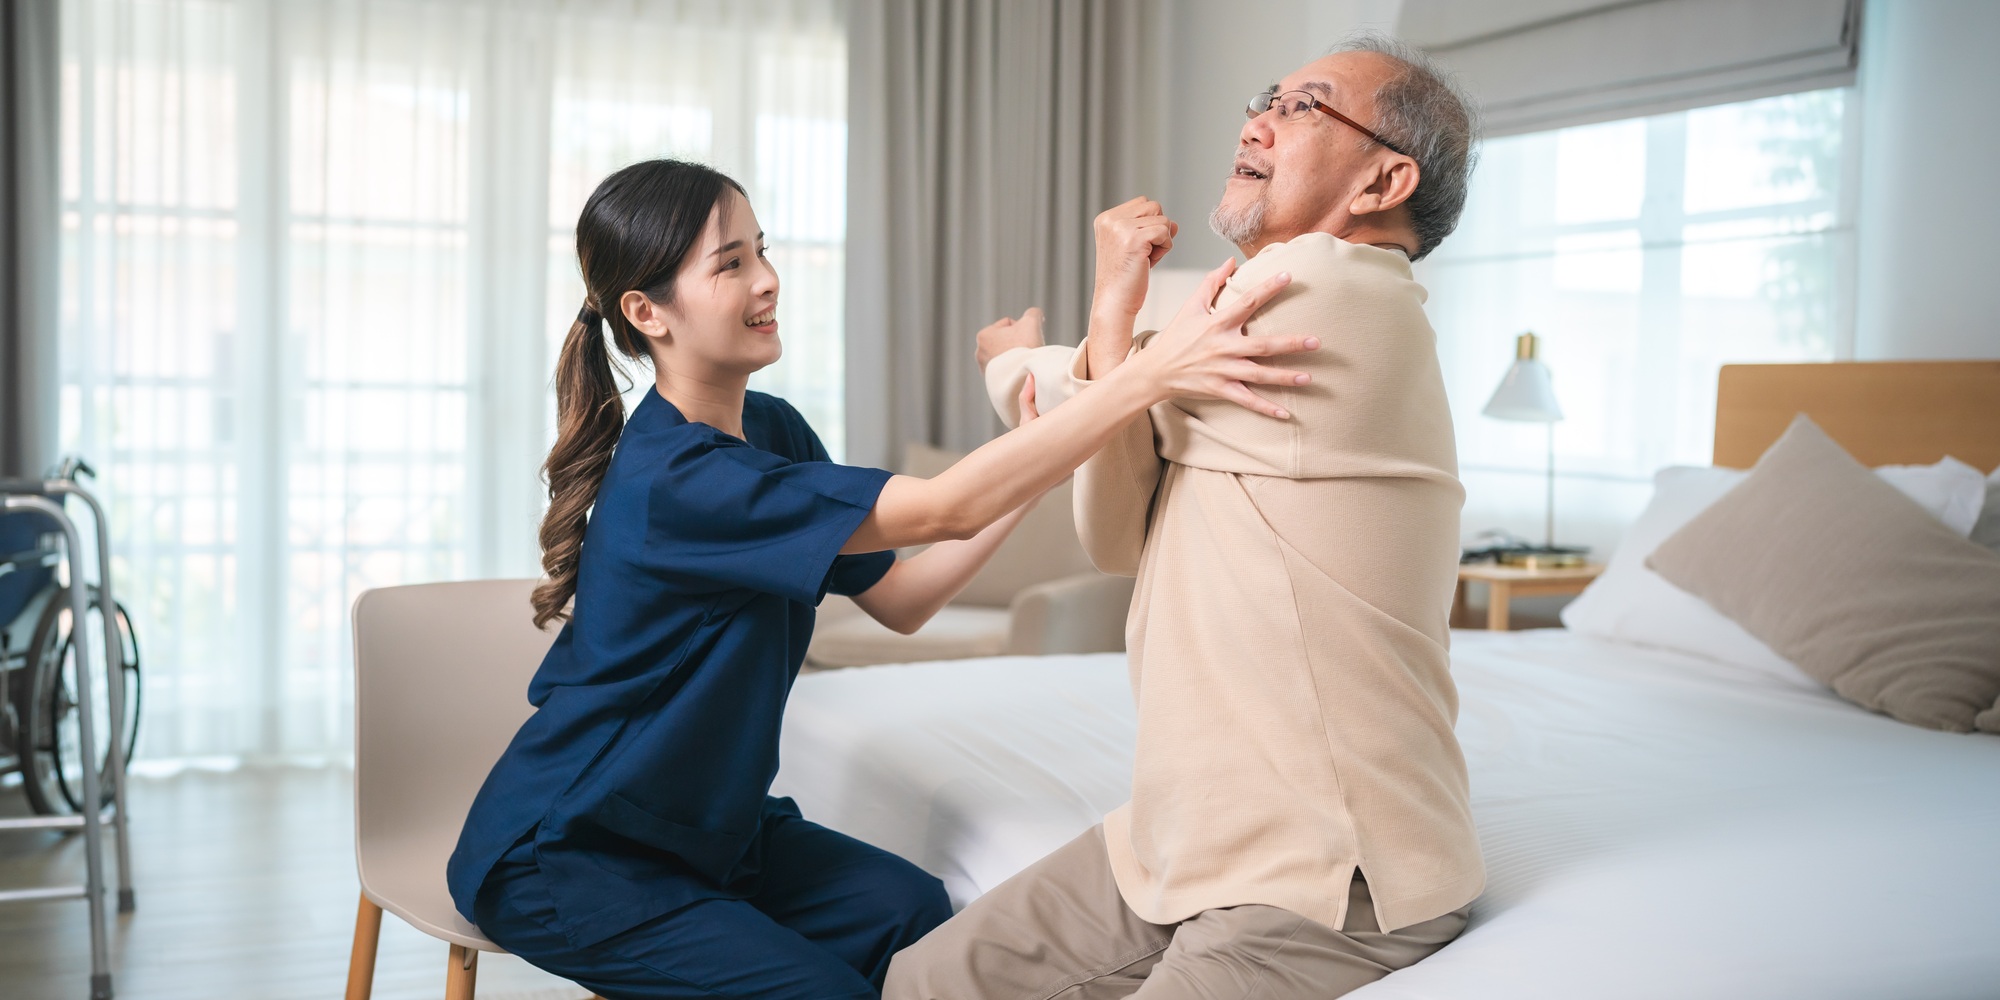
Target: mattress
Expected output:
[1654,825]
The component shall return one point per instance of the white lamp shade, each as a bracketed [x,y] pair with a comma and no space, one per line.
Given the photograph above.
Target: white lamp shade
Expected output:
[1525,394]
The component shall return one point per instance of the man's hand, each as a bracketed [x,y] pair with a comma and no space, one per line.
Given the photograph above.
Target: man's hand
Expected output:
[1006,333]
[1131,238]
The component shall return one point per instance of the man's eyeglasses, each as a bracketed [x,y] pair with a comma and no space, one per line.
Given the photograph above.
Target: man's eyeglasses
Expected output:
[1293,105]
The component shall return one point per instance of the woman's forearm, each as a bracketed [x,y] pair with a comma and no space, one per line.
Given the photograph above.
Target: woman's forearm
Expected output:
[916,588]
[1002,474]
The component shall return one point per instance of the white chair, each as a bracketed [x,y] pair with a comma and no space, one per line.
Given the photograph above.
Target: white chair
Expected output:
[441,676]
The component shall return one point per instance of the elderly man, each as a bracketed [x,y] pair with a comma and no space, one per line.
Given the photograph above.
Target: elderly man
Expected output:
[1299,823]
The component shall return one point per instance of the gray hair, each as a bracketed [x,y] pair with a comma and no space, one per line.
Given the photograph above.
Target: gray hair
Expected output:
[1426,113]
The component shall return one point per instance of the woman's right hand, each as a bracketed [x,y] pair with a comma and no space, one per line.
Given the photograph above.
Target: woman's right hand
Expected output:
[1207,354]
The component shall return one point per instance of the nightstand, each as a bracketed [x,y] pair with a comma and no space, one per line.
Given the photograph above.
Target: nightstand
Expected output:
[1504,583]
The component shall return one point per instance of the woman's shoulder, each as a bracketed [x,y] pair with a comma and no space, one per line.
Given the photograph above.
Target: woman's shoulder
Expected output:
[772,427]
[785,429]
[778,406]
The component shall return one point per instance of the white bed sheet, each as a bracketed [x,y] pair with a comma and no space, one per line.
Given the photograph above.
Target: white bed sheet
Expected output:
[1654,825]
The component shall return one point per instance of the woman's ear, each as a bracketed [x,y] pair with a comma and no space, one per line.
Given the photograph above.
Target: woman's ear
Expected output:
[1392,184]
[644,315]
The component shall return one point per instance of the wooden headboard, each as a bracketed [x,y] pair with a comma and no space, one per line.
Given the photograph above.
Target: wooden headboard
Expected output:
[1882,412]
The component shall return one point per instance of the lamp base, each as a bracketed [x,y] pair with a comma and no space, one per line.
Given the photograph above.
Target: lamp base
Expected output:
[1544,557]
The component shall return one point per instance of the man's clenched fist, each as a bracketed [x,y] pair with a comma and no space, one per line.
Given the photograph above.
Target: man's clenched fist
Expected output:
[1006,333]
[1131,238]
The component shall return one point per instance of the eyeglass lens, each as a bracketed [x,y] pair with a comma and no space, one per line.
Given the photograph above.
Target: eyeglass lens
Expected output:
[1288,108]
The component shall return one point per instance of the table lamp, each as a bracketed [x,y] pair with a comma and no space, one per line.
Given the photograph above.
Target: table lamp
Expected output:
[1528,395]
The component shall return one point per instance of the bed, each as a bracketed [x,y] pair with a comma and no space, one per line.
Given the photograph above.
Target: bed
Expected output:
[1655,824]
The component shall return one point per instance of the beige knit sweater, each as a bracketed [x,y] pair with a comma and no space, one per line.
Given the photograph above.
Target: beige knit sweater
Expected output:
[1288,636]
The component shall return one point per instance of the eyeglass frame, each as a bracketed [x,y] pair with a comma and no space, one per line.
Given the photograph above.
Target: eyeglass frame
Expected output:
[1270,99]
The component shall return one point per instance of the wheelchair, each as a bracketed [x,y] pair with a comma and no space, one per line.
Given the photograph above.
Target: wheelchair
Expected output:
[39,733]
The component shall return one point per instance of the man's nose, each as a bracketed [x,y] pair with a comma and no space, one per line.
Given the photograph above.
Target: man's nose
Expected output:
[1256,131]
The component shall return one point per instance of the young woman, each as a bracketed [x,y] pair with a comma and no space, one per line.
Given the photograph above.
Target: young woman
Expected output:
[626,840]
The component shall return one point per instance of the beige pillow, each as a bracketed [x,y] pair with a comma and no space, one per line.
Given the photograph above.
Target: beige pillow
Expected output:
[1846,577]
[1044,547]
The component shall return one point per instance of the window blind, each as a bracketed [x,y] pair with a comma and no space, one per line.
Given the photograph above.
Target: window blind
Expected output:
[1544,64]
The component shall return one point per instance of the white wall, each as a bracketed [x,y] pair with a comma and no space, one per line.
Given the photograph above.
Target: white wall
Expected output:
[1930,180]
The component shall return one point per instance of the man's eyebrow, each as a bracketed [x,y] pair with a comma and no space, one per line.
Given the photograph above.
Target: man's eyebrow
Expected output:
[1323,89]
[1272,90]
[733,244]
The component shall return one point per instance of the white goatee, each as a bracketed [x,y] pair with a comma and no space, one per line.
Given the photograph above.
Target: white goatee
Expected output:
[1239,226]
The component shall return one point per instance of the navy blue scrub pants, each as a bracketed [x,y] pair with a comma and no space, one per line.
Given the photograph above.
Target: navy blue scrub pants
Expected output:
[829,914]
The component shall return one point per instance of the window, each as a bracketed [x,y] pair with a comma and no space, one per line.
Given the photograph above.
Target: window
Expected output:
[790,93]
[1646,253]
[316,261]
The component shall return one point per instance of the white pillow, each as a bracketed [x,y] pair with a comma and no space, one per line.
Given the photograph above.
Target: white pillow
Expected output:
[1951,490]
[1630,603]
[1987,531]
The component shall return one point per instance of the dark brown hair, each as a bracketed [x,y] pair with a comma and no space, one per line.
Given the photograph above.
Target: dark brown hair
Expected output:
[635,231]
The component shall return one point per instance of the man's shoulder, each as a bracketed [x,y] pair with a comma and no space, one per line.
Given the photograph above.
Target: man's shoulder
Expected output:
[1323,265]
[1325,250]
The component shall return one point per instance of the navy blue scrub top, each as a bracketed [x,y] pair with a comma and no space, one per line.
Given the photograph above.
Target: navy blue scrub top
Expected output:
[645,771]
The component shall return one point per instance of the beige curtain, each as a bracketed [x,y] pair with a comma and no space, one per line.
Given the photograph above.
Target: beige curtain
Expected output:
[983,137]
[28,113]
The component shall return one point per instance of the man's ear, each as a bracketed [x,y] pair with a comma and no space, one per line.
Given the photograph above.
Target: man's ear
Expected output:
[1393,182]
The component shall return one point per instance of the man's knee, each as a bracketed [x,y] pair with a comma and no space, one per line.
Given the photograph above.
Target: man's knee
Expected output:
[945,955]
[913,971]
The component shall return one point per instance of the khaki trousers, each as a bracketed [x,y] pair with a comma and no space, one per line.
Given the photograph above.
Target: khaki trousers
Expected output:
[1060,929]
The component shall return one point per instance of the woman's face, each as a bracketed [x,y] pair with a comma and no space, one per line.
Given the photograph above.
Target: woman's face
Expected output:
[723,317]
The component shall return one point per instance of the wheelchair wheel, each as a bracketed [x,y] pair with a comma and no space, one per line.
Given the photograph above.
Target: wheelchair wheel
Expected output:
[52,758]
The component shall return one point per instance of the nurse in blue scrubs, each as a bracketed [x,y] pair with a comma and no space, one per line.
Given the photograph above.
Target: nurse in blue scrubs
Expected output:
[626,839]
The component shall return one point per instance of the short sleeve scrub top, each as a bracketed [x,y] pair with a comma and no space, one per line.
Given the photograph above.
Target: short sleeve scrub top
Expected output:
[643,775]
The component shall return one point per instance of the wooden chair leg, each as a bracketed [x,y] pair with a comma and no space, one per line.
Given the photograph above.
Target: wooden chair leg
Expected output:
[460,973]
[367,937]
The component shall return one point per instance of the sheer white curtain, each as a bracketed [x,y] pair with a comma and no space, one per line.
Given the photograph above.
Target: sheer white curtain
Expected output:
[1647,254]
[316,255]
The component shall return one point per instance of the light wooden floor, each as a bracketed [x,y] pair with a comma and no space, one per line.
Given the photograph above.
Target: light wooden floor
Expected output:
[246,889]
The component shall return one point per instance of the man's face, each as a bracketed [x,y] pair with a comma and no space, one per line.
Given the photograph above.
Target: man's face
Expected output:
[1296,177]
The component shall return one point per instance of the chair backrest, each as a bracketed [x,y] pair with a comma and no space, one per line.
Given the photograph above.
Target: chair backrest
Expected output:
[441,675]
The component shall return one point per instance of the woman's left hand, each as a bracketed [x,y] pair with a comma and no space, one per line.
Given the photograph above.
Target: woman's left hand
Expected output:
[1028,411]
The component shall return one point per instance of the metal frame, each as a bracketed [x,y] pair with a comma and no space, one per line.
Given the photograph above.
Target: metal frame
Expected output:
[92,819]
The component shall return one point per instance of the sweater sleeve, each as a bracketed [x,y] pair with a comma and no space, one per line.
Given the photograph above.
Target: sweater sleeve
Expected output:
[1050,365]
[1114,489]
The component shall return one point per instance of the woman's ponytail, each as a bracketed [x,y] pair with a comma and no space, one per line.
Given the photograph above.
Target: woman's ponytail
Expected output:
[635,232]
[589,416]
